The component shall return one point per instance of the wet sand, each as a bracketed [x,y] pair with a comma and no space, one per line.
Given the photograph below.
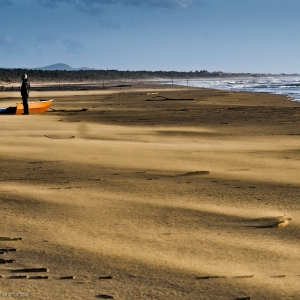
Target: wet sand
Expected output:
[151,192]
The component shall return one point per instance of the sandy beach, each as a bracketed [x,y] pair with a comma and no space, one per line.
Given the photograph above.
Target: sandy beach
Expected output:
[151,192]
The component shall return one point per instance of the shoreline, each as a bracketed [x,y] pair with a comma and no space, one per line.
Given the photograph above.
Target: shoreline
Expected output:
[54,89]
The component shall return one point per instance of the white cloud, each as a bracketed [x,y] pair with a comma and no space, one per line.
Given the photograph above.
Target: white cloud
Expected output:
[9,45]
[69,45]
[72,46]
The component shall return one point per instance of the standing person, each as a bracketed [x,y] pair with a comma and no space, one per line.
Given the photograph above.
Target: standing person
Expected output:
[25,90]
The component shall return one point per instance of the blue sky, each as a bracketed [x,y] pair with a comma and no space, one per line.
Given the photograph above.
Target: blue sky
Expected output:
[259,36]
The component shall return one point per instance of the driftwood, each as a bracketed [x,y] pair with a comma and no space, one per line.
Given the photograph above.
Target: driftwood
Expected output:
[163,98]
[67,110]
[279,221]
[57,137]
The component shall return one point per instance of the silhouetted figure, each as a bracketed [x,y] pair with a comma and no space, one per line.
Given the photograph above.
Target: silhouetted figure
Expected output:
[25,90]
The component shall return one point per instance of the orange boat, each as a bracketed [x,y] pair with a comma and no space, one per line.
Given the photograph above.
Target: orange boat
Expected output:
[33,107]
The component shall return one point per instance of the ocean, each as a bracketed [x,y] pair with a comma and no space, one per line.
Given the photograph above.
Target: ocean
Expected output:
[284,85]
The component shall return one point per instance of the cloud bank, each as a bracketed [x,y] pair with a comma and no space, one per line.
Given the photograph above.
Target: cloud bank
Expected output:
[96,6]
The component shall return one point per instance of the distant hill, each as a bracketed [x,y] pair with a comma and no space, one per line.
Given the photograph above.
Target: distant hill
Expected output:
[61,67]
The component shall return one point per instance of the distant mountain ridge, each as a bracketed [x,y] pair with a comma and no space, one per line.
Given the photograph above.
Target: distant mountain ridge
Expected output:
[61,67]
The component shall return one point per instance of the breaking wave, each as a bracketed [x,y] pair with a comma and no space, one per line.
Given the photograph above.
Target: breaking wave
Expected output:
[285,85]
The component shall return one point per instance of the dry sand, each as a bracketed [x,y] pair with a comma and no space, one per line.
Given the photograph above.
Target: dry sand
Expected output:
[151,195]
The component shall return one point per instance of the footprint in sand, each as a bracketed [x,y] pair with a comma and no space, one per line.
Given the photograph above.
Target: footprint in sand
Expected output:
[38,277]
[104,296]
[6,250]
[105,277]
[8,239]
[30,270]
[18,277]
[67,277]
[7,261]
[209,277]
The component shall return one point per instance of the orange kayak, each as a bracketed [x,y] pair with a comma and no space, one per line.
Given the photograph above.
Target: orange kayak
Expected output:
[33,107]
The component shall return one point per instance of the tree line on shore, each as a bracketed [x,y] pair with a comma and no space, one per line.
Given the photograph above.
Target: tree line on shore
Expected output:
[14,75]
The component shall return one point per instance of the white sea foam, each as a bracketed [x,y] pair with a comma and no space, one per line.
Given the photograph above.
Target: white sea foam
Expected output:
[284,85]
